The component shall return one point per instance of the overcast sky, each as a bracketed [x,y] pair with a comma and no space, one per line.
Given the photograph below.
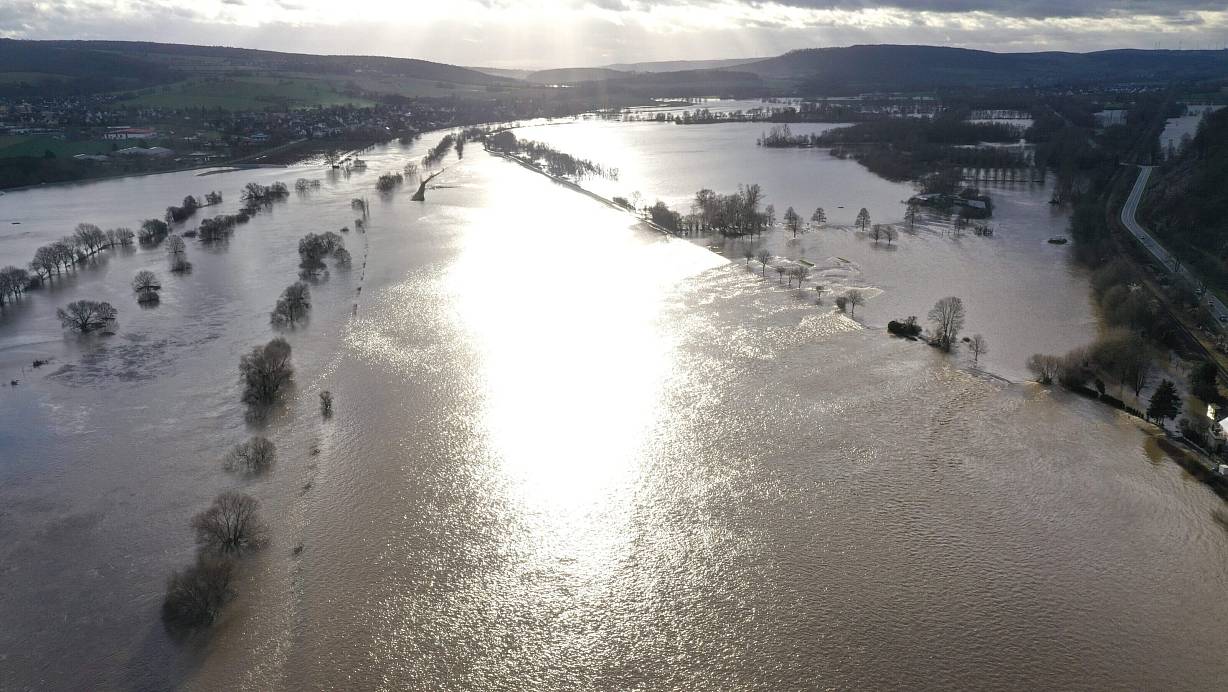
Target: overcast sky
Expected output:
[539,33]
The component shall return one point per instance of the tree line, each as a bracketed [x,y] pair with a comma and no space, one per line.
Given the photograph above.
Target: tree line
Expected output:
[556,163]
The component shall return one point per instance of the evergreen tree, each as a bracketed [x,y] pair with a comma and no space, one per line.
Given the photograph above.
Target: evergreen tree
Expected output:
[1164,403]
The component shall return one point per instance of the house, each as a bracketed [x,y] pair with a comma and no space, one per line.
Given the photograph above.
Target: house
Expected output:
[1218,421]
[151,151]
[129,133]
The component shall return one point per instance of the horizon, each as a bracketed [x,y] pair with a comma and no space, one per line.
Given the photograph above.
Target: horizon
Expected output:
[596,33]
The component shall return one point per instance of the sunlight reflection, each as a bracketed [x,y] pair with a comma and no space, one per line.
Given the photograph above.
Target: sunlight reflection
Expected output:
[565,307]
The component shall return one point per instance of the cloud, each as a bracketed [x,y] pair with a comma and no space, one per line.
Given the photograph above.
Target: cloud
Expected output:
[1033,9]
[545,33]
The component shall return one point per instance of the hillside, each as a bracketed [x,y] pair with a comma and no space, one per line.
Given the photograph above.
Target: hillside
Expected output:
[76,67]
[34,67]
[574,75]
[681,65]
[1187,201]
[895,67]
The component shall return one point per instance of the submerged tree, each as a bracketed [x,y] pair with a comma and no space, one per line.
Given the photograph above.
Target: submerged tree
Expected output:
[265,370]
[146,285]
[254,456]
[13,283]
[195,595]
[293,304]
[793,221]
[231,526]
[947,316]
[86,315]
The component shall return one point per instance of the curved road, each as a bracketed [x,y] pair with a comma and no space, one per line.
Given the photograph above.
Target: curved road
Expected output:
[1171,264]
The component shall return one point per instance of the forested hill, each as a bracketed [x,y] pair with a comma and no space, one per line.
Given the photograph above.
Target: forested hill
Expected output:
[1187,200]
[75,67]
[897,67]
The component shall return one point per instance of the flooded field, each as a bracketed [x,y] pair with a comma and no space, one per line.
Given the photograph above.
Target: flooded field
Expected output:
[1176,129]
[571,453]
[1024,294]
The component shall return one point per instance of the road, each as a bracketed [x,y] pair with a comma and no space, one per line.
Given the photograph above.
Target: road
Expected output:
[1171,264]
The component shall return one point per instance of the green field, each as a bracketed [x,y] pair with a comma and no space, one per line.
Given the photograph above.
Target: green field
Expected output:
[246,93]
[21,145]
[29,77]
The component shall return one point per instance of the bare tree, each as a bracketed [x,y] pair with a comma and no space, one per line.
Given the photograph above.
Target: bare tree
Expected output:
[910,216]
[86,315]
[146,285]
[947,315]
[1045,367]
[196,594]
[889,234]
[763,258]
[176,249]
[854,298]
[818,218]
[254,456]
[863,219]
[979,346]
[819,290]
[802,272]
[294,302]
[793,221]
[231,526]
[265,370]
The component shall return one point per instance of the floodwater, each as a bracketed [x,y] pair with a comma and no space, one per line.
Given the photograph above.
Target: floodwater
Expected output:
[1023,293]
[1177,128]
[571,453]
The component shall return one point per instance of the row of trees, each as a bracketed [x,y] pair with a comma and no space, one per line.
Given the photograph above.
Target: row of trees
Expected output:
[85,241]
[1121,356]
[435,155]
[14,281]
[189,207]
[221,226]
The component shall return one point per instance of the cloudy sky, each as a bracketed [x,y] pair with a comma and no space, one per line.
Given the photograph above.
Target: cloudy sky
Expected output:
[544,33]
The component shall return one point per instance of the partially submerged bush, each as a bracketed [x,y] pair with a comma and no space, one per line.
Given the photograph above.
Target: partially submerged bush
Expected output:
[195,595]
[254,456]
[265,370]
[907,327]
[293,304]
[146,285]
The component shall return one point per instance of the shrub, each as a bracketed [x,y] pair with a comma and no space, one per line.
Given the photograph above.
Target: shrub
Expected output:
[254,456]
[196,594]
[906,327]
